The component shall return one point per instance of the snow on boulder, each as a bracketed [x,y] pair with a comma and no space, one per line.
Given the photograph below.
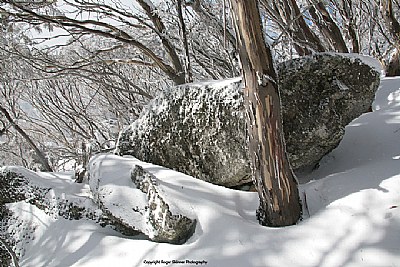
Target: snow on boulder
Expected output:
[199,129]
[15,187]
[22,187]
[132,198]
[18,224]
[20,184]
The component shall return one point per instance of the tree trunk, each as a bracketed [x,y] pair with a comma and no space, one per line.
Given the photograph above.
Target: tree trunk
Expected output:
[307,36]
[273,177]
[328,27]
[38,152]
[188,68]
[306,41]
[391,22]
[354,39]
[347,12]
[177,75]
[393,26]
[393,67]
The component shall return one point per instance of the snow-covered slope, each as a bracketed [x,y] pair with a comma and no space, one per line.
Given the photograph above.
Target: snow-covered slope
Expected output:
[352,216]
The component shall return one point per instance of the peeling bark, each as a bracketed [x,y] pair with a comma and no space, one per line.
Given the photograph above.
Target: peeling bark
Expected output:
[273,177]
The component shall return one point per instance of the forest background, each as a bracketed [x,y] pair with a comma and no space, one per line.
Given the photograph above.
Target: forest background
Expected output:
[74,73]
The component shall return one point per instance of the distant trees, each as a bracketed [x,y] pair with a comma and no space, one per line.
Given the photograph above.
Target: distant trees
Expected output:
[302,27]
[15,138]
[90,67]
[161,36]
[83,69]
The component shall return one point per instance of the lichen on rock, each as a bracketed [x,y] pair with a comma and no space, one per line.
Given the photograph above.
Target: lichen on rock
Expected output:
[199,129]
[164,226]
[133,200]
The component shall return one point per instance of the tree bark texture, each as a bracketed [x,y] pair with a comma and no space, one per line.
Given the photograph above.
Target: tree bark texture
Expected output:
[273,177]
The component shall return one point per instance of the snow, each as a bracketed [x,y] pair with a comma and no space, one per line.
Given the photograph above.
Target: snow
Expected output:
[351,216]
[215,84]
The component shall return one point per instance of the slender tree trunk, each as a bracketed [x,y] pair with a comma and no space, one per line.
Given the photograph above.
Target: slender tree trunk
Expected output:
[291,20]
[205,15]
[188,68]
[354,39]
[393,26]
[273,177]
[393,67]
[390,20]
[328,27]
[308,37]
[42,158]
[305,38]
[347,12]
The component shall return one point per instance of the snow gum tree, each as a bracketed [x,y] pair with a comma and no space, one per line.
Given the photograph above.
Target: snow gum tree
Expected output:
[273,177]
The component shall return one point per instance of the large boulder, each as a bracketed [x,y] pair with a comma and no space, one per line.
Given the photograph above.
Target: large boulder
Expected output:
[199,129]
[320,96]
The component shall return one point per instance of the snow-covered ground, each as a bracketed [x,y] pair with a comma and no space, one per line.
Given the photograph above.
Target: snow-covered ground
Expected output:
[353,215]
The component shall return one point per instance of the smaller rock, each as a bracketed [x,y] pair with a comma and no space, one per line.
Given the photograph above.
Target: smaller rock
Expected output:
[15,187]
[5,256]
[167,227]
[138,207]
